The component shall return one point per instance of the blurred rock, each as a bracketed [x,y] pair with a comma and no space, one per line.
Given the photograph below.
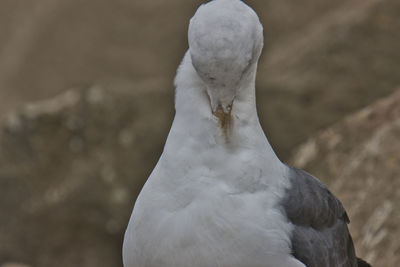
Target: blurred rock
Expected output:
[346,58]
[322,59]
[71,166]
[13,264]
[70,170]
[359,158]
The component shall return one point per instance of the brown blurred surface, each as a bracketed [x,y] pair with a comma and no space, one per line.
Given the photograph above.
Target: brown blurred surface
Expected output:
[359,158]
[64,160]
[321,57]
[70,170]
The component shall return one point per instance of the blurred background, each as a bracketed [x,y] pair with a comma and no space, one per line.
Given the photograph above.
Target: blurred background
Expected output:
[86,102]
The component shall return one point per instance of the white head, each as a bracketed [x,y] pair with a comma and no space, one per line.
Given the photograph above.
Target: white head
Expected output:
[225,41]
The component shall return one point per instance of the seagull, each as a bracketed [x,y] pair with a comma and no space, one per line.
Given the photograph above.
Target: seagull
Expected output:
[219,195]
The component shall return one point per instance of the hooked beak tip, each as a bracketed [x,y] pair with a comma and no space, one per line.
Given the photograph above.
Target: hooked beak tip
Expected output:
[223,115]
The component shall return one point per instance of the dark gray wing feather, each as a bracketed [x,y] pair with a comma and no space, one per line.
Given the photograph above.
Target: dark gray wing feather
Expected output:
[320,236]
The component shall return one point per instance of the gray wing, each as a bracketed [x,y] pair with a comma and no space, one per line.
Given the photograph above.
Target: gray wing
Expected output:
[320,236]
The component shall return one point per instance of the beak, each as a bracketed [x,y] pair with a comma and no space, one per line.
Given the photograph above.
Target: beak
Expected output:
[223,115]
[221,103]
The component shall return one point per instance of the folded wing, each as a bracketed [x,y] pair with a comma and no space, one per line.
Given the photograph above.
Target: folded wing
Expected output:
[320,236]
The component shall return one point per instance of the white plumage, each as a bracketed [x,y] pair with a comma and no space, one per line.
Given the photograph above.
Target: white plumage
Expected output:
[214,198]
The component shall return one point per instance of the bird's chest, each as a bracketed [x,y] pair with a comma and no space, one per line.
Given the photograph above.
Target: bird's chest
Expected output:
[214,228]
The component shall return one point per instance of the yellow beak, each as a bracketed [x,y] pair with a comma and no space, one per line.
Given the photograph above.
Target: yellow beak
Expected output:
[223,117]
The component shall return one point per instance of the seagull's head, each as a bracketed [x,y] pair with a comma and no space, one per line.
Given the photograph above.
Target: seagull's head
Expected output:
[225,41]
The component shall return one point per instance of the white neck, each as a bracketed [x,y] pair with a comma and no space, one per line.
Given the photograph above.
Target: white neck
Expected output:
[196,128]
